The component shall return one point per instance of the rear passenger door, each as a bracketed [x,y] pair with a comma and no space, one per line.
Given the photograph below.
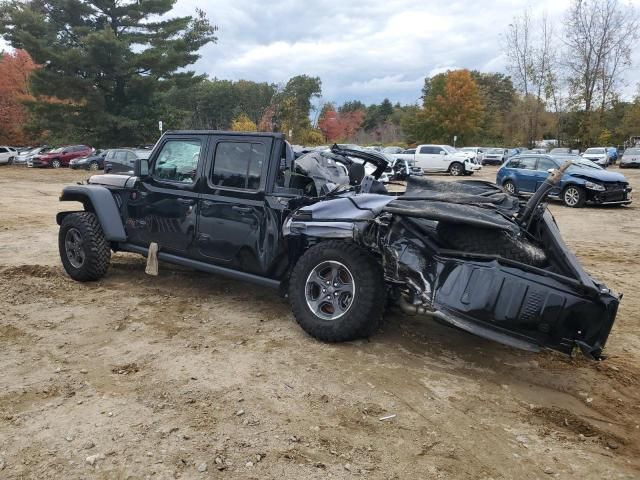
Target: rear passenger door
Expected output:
[426,158]
[527,174]
[233,223]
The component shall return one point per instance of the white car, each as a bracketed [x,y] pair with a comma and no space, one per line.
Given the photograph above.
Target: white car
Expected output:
[597,155]
[444,158]
[474,152]
[7,154]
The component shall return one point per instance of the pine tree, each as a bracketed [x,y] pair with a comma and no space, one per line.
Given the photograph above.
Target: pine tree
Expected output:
[106,64]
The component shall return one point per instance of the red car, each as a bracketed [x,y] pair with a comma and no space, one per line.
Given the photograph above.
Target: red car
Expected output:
[60,157]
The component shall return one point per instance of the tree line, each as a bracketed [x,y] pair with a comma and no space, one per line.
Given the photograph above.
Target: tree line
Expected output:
[105,73]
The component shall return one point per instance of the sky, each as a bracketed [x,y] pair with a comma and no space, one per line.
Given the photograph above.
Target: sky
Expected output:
[364,50]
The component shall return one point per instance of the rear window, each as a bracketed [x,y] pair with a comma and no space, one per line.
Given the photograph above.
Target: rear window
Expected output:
[238,165]
[597,151]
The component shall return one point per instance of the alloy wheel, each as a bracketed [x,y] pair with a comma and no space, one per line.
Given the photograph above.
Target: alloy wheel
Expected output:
[571,196]
[74,247]
[329,290]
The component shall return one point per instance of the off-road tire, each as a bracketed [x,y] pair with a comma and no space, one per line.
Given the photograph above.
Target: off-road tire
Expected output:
[364,316]
[456,169]
[94,244]
[491,242]
[513,191]
[581,196]
[56,163]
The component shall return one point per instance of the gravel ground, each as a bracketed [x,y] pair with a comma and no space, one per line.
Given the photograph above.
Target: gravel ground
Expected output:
[196,376]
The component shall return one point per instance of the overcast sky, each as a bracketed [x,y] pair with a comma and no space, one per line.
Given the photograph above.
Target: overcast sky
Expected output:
[365,50]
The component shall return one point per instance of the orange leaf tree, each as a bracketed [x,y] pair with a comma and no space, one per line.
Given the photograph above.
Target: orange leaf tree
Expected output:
[15,69]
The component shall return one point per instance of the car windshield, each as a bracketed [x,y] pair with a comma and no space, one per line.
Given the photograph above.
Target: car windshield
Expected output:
[468,149]
[596,151]
[581,163]
[449,148]
[56,150]
[496,150]
[632,151]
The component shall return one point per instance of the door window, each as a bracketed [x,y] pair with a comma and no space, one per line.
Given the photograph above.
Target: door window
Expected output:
[177,161]
[238,165]
[527,163]
[429,150]
[545,164]
[3,150]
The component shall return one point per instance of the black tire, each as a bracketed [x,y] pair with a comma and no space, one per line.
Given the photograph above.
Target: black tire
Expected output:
[88,261]
[510,187]
[491,242]
[56,163]
[364,314]
[456,169]
[574,196]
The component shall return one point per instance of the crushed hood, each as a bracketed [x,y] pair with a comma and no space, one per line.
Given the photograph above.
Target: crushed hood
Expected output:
[471,202]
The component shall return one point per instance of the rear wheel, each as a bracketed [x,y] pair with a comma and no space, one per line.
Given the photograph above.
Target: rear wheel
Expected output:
[574,196]
[84,250]
[509,187]
[93,166]
[337,292]
[456,169]
[56,163]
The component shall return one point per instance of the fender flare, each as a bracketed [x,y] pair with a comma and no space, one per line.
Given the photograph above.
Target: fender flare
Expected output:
[96,199]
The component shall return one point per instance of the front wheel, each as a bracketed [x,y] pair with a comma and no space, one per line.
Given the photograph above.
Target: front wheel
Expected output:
[336,291]
[84,250]
[456,169]
[574,196]
[56,163]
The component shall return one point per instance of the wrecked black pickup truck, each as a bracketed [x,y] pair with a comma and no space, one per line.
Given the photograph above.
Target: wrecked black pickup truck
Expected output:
[324,231]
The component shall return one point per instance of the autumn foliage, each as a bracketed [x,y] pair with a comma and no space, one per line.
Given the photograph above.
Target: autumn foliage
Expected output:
[337,125]
[15,69]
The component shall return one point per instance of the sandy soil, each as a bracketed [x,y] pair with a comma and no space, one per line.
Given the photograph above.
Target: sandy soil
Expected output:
[193,376]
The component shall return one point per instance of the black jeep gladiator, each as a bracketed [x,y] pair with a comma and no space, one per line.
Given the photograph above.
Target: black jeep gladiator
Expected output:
[324,231]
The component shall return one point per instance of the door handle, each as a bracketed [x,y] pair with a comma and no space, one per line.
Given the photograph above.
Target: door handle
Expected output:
[237,208]
[186,201]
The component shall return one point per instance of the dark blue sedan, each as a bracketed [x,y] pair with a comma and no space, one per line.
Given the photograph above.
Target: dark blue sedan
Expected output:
[583,182]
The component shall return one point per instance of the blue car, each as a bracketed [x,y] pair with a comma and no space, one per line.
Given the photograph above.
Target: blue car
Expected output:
[583,182]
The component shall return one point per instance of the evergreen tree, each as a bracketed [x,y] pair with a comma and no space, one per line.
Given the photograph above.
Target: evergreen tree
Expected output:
[105,64]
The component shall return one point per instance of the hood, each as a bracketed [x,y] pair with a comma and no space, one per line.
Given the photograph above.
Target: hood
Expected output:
[599,175]
[377,159]
[110,180]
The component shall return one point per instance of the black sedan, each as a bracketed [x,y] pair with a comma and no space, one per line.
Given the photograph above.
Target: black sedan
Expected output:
[90,162]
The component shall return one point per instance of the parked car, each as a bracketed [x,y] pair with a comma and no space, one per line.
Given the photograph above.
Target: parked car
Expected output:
[60,157]
[7,155]
[583,182]
[341,251]
[90,162]
[440,158]
[612,152]
[27,155]
[392,150]
[494,156]
[477,152]
[597,155]
[560,151]
[122,160]
[630,158]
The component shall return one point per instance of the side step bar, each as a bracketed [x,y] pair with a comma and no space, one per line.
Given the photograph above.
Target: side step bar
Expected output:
[203,267]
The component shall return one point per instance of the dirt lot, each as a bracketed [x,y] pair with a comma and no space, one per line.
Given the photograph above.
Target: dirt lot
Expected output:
[193,376]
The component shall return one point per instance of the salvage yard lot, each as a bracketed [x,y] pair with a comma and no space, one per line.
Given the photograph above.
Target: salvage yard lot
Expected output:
[195,376]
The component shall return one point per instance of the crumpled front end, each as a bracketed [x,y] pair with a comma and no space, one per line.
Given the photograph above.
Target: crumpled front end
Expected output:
[495,298]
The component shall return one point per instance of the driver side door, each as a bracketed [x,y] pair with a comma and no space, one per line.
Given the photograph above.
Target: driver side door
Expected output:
[164,208]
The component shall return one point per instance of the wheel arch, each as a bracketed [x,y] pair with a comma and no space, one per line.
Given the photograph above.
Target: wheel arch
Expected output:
[98,200]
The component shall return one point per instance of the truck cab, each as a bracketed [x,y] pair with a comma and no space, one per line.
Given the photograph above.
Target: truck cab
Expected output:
[444,158]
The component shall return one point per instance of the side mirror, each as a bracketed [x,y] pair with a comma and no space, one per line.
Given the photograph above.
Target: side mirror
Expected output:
[141,168]
[442,152]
